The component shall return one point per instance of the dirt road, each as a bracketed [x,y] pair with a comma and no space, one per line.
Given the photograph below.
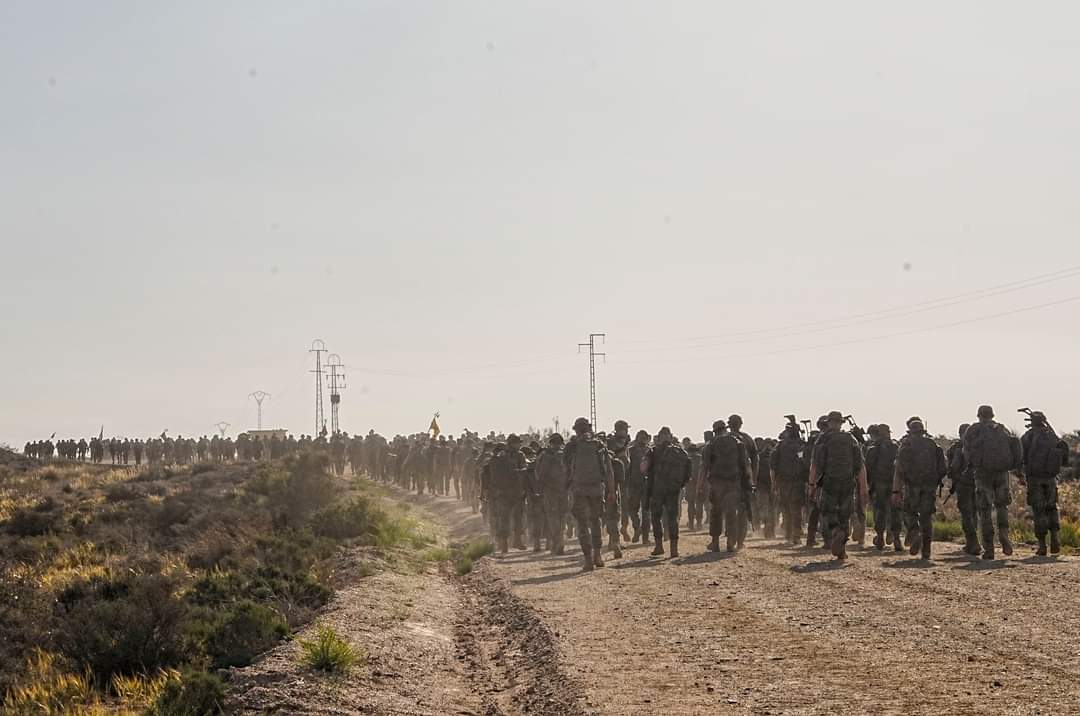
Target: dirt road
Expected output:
[770,630]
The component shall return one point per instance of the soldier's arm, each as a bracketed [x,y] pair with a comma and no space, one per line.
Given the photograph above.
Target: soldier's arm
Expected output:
[609,472]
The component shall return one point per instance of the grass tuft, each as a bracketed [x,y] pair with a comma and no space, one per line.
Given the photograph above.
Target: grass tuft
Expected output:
[329,652]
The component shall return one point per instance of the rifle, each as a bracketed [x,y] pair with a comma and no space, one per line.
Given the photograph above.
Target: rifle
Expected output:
[857,432]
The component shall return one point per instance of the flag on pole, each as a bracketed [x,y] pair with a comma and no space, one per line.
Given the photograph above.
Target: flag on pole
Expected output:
[434,427]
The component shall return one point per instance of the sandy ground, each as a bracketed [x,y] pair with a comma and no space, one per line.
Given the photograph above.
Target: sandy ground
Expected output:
[769,630]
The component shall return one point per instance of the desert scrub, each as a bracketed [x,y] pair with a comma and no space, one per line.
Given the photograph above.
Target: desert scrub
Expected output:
[328,652]
[194,693]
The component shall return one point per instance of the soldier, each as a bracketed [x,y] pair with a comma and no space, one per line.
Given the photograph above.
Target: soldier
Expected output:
[337,452]
[592,478]
[507,472]
[962,484]
[735,423]
[988,448]
[766,490]
[694,499]
[920,465]
[1044,456]
[813,520]
[634,489]
[880,471]
[617,445]
[788,472]
[726,466]
[551,476]
[667,469]
[137,449]
[837,467]
[534,497]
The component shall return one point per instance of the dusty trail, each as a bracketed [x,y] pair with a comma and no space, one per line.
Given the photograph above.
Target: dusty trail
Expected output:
[771,630]
[776,629]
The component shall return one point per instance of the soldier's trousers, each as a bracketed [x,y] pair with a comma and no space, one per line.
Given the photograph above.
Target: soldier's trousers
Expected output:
[612,515]
[664,506]
[1042,498]
[555,513]
[517,521]
[792,497]
[886,514]
[993,498]
[694,507]
[836,501]
[589,514]
[765,510]
[631,513]
[501,511]
[968,507]
[919,506]
[537,519]
[858,518]
[725,498]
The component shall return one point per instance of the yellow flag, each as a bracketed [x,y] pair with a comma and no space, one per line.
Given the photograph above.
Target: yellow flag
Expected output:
[434,428]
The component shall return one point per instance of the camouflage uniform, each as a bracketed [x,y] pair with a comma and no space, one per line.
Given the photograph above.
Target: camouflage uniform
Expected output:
[992,493]
[880,465]
[590,474]
[551,476]
[789,473]
[962,484]
[920,465]
[725,464]
[695,508]
[766,493]
[667,467]
[507,474]
[634,508]
[838,460]
[1044,456]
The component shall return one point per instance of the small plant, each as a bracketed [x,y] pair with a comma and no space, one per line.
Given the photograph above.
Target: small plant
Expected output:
[947,530]
[328,652]
[477,548]
[48,689]
[463,566]
[196,693]
[437,554]
[1069,534]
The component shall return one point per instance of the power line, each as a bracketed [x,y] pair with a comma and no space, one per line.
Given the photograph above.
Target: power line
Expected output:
[260,396]
[865,339]
[849,324]
[906,309]
[337,383]
[592,372]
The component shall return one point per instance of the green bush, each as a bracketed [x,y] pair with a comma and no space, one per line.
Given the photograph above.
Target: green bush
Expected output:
[121,492]
[307,487]
[31,523]
[1069,535]
[173,510]
[196,693]
[202,468]
[947,530]
[328,652]
[477,548]
[347,520]
[123,625]
[242,633]
[463,566]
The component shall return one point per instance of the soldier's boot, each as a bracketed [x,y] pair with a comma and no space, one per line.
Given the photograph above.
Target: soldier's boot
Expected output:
[879,541]
[1041,551]
[597,559]
[714,546]
[908,539]
[625,534]
[536,545]
[971,545]
[519,543]
[587,564]
[504,545]
[888,538]
[674,548]
[988,545]
[617,551]
[1006,545]
[898,546]
[916,542]
[658,550]
[1055,543]
[637,536]
[927,539]
[839,543]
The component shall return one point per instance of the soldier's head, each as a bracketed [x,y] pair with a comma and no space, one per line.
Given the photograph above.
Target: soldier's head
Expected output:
[582,426]
[884,431]
[822,422]
[873,432]
[835,420]
[719,427]
[708,436]
[622,427]
[962,429]
[686,443]
[735,422]
[663,436]
[915,426]
[513,441]
[986,413]
[759,443]
[642,437]
[912,419]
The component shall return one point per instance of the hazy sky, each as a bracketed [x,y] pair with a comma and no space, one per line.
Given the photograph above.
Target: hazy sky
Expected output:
[453,195]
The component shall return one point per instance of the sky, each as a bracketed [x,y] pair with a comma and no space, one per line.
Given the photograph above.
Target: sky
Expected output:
[768,208]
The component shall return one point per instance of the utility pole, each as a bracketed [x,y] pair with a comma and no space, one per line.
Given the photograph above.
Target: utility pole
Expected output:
[337,382]
[260,396]
[318,348]
[222,427]
[556,421]
[592,371]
